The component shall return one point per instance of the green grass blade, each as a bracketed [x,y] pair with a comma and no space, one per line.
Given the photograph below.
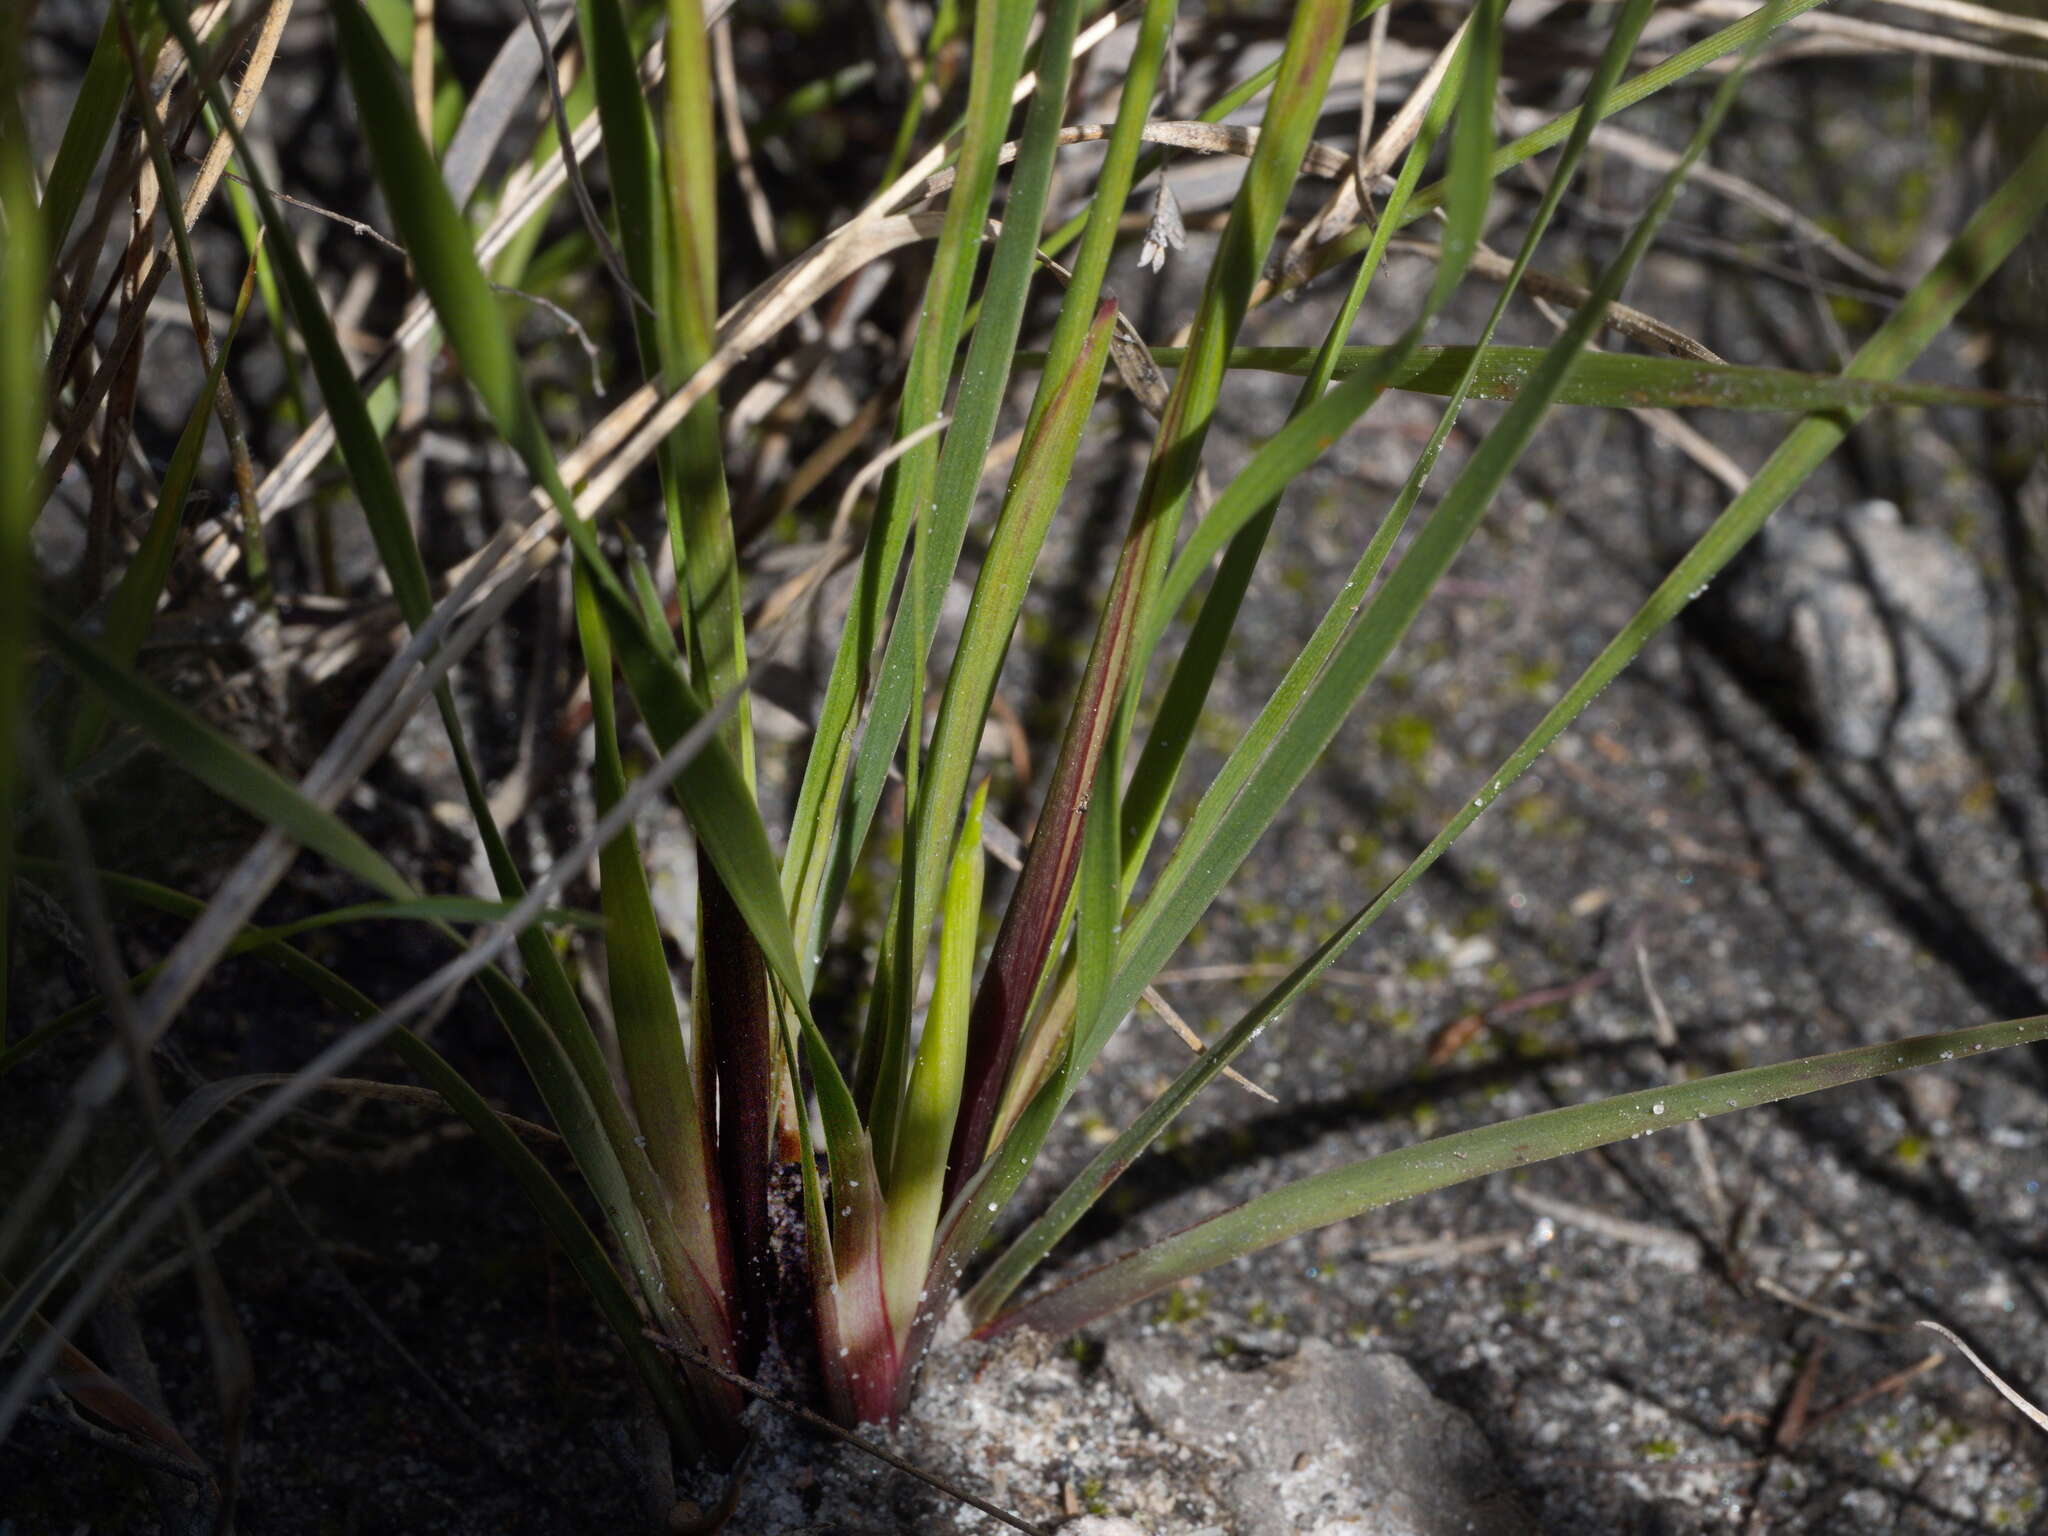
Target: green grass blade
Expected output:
[707,561]
[1258,490]
[1241,804]
[917,1162]
[1038,904]
[1472,88]
[935,555]
[1305,668]
[1219,109]
[559,1049]
[1448,1160]
[549,1052]
[1059,413]
[650,1030]
[223,766]
[1933,303]
[1622,380]
[820,854]
[711,790]
[1052,438]
[23,274]
[633,163]
[653,1255]
[1731,39]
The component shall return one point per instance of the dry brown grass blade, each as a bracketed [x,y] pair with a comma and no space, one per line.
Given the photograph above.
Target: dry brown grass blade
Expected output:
[781,607]
[100,1395]
[1962,11]
[841,445]
[572,164]
[1977,16]
[1174,133]
[495,103]
[524,197]
[1345,204]
[126,165]
[1632,323]
[155,264]
[754,322]
[1874,35]
[1656,158]
[1170,1016]
[737,144]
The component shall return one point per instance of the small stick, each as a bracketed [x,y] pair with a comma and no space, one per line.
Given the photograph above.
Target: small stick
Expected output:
[1793,1422]
[1884,1388]
[1792,1298]
[1193,1042]
[1696,1142]
[2034,1415]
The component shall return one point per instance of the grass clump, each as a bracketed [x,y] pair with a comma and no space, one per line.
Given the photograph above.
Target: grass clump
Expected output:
[913,1097]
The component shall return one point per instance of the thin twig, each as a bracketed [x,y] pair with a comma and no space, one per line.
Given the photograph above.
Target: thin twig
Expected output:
[2034,1415]
[572,166]
[1193,1042]
[1696,1142]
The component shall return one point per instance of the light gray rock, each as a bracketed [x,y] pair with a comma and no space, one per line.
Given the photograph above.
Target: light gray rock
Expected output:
[1331,1441]
[1880,632]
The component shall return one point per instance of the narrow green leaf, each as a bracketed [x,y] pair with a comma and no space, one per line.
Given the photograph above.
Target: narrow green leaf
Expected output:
[632,161]
[650,1030]
[1099,895]
[1044,463]
[941,534]
[1221,108]
[1241,803]
[1240,519]
[1623,380]
[1431,1165]
[712,790]
[223,766]
[1059,412]
[23,276]
[917,1169]
[1977,252]
[1258,492]
[1711,49]
[820,854]
[1038,903]
[707,561]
